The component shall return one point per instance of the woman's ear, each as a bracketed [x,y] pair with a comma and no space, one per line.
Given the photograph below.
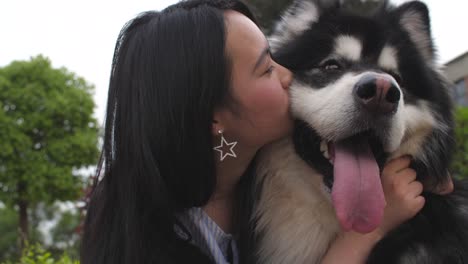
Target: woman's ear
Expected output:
[216,124]
[215,130]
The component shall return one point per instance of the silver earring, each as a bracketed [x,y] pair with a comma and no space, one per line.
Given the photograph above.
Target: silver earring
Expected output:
[225,143]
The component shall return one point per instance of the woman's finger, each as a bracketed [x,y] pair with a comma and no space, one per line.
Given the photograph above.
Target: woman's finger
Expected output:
[415,189]
[407,175]
[398,164]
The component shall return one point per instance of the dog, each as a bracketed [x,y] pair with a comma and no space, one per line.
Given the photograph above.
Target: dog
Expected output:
[367,88]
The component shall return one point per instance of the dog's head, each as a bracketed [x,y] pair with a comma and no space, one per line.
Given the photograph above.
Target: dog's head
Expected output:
[366,88]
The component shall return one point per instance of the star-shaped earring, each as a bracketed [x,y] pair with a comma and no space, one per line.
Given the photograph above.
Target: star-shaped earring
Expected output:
[231,145]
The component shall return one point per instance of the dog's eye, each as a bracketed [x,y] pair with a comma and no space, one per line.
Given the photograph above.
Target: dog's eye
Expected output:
[331,65]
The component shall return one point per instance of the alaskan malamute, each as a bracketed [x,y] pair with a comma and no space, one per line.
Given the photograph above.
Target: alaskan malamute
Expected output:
[366,89]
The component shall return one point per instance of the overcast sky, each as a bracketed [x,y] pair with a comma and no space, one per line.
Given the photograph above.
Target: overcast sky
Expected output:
[80,35]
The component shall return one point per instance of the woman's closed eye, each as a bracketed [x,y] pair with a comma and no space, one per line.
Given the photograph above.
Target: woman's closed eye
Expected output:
[269,70]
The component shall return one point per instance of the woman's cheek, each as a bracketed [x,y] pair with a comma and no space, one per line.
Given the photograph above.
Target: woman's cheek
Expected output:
[271,97]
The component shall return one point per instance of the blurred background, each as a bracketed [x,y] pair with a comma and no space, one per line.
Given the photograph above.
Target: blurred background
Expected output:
[55,58]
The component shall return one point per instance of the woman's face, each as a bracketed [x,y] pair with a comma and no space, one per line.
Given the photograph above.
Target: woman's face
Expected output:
[259,87]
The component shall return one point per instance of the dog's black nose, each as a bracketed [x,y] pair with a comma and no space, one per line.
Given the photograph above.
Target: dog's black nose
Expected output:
[378,94]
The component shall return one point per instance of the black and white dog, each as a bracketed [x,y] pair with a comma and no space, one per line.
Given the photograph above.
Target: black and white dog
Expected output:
[366,89]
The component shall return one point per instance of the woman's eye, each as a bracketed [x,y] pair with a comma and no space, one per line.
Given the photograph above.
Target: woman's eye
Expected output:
[270,69]
[331,65]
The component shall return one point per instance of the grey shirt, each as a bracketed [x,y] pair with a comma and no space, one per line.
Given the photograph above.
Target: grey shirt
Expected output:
[208,236]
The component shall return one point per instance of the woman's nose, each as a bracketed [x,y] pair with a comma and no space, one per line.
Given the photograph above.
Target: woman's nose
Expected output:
[286,77]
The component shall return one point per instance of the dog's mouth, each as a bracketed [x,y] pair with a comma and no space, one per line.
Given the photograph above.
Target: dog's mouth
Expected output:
[357,191]
[327,148]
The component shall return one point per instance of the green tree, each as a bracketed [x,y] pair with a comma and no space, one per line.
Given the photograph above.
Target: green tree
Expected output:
[268,11]
[47,132]
[460,159]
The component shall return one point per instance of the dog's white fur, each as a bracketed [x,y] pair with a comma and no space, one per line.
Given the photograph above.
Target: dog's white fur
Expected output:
[296,204]
[294,21]
[413,23]
[348,47]
[388,58]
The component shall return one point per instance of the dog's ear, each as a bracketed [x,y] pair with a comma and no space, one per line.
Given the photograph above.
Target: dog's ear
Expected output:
[414,18]
[296,19]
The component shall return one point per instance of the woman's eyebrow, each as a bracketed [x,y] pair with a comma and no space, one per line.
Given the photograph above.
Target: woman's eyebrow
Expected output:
[261,58]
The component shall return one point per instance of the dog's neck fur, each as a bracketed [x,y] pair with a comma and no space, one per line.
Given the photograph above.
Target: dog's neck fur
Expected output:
[295,202]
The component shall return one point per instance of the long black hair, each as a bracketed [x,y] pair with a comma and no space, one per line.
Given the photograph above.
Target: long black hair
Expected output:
[169,72]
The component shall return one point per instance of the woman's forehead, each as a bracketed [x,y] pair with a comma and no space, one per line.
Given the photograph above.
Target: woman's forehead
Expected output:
[244,40]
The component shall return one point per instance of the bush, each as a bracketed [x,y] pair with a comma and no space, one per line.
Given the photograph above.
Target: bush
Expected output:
[460,159]
[35,254]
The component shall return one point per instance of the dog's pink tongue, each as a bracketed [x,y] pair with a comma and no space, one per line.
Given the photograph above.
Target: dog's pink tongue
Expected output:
[357,191]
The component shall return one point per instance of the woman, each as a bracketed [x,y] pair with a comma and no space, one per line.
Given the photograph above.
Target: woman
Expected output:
[194,93]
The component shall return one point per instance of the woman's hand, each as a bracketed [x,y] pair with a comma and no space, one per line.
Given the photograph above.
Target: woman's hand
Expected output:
[402,193]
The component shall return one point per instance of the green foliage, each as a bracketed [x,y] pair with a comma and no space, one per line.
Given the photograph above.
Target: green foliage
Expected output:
[61,237]
[64,234]
[268,11]
[35,254]
[8,233]
[362,7]
[460,162]
[46,131]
